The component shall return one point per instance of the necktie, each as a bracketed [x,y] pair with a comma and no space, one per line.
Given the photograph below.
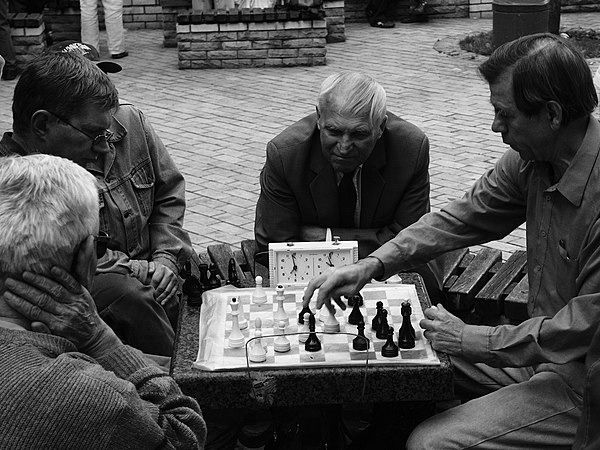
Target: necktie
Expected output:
[347,200]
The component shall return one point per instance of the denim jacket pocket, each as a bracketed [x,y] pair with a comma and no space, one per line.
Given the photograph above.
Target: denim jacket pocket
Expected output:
[142,180]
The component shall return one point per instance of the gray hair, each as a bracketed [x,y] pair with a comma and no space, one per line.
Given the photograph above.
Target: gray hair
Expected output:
[354,93]
[48,205]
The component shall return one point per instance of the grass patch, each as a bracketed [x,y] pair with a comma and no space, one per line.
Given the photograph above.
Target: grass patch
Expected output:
[587,41]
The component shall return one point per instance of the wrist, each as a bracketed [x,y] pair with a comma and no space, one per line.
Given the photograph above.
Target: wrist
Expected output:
[373,267]
[104,341]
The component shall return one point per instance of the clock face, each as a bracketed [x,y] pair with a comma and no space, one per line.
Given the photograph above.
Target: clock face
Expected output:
[297,263]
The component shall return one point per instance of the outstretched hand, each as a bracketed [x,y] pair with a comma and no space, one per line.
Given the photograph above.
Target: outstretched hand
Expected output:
[443,329]
[60,306]
[346,280]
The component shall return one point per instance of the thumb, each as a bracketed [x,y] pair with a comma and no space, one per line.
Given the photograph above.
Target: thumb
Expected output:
[39,327]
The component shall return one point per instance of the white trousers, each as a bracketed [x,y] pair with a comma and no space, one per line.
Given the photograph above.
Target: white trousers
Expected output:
[113,18]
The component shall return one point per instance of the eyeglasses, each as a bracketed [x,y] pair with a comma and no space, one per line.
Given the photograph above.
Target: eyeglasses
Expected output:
[95,140]
[102,241]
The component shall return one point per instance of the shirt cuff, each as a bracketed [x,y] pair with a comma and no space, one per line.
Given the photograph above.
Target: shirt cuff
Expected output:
[475,343]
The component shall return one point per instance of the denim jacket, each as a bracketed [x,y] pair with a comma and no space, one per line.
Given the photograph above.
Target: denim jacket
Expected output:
[141,195]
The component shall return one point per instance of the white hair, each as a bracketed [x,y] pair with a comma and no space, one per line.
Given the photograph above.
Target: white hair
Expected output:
[48,206]
[354,93]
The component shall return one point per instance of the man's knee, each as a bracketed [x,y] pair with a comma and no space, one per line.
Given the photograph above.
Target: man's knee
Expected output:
[425,436]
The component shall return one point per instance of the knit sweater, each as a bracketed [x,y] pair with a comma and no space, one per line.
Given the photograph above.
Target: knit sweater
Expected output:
[52,397]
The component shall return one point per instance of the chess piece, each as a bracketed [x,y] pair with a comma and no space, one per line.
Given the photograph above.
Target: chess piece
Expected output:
[377,319]
[406,335]
[354,299]
[281,343]
[257,353]
[389,349]
[355,316]
[236,338]
[304,328]
[312,344]
[232,275]
[382,331]
[259,296]
[203,269]
[302,314]
[360,342]
[331,324]
[191,286]
[280,313]
[242,315]
[213,280]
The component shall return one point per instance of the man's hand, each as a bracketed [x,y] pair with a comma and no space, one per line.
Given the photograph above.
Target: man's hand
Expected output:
[62,307]
[443,330]
[164,281]
[347,280]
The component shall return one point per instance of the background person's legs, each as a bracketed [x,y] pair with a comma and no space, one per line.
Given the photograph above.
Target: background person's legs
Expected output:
[113,18]
[90,31]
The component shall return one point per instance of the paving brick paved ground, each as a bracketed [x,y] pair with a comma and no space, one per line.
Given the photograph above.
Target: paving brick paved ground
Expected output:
[216,123]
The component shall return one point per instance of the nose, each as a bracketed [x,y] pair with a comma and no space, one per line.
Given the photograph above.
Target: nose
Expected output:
[345,144]
[498,125]
[101,147]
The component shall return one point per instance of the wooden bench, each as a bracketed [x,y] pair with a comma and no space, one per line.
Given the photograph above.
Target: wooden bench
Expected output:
[479,286]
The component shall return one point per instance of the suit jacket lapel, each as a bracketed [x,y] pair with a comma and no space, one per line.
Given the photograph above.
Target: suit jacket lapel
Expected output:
[372,183]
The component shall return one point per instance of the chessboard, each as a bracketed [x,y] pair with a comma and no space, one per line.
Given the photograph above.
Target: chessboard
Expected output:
[215,353]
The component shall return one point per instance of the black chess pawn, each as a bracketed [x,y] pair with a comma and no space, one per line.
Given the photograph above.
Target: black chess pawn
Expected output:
[406,335]
[355,316]
[191,286]
[360,342]
[377,319]
[389,349]
[203,269]
[232,274]
[213,280]
[382,331]
[312,344]
[306,309]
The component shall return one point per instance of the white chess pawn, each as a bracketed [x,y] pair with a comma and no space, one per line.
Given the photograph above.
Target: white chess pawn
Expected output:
[259,295]
[280,313]
[331,324]
[236,338]
[281,343]
[257,352]
[304,329]
[242,315]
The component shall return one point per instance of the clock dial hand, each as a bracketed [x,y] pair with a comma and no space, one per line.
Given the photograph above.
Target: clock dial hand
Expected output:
[295,266]
[328,262]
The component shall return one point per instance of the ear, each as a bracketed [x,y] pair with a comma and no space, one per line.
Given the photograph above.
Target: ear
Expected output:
[555,114]
[382,126]
[318,117]
[85,262]
[39,123]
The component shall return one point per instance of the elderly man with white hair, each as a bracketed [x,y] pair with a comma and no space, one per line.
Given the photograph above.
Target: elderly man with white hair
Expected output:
[351,169]
[66,380]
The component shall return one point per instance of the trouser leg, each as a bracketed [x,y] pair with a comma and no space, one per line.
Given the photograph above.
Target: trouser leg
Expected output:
[6,46]
[129,308]
[541,413]
[90,31]
[113,18]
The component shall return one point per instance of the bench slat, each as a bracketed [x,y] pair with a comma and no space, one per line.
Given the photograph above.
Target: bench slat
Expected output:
[515,303]
[220,254]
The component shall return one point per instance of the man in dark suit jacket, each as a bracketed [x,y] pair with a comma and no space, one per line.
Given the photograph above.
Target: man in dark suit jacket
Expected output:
[350,134]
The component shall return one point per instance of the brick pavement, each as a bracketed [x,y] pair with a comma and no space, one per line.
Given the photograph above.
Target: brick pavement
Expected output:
[216,123]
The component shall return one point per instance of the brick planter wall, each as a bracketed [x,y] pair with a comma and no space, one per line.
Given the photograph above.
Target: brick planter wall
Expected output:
[251,38]
[28,33]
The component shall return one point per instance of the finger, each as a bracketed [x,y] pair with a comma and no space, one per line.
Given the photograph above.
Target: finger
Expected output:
[32,295]
[340,302]
[31,311]
[427,324]
[51,287]
[166,287]
[171,297]
[66,279]
[313,285]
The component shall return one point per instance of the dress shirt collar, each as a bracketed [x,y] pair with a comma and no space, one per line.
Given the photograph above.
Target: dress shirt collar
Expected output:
[577,176]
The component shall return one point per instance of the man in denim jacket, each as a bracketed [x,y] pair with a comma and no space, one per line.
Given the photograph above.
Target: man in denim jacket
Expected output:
[73,111]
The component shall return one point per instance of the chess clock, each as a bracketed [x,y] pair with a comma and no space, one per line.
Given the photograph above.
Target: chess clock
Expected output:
[296,263]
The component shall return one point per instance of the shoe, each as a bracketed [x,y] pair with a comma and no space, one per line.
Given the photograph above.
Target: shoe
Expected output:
[120,55]
[10,73]
[417,18]
[383,24]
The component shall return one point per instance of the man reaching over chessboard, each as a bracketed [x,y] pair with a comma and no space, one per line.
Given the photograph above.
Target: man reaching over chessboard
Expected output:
[351,169]
[529,377]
